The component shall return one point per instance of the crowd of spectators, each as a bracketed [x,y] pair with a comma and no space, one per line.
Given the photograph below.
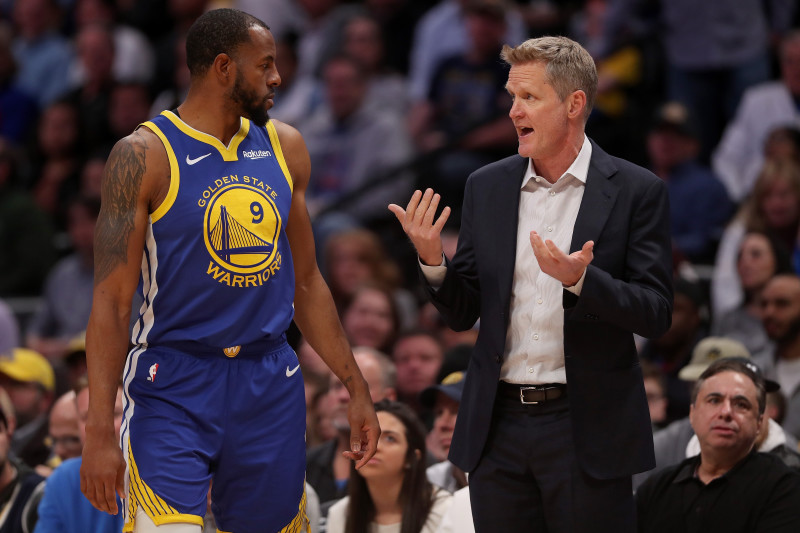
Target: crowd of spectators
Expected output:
[393,95]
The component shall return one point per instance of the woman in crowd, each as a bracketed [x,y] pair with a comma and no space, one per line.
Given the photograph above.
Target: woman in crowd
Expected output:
[370,318]
[760,257]
[391,493]
[773,207]
[355,256]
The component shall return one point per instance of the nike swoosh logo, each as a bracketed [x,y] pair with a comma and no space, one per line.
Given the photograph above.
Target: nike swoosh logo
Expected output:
[190,161]
[290,373]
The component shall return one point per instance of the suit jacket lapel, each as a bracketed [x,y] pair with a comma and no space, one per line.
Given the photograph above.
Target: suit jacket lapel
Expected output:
[506,221]
[599,196]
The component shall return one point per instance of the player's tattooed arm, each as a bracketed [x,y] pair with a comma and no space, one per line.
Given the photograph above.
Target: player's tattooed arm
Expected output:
[120,195]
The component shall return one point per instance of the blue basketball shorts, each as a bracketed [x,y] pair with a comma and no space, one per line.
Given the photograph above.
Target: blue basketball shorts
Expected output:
[194,415]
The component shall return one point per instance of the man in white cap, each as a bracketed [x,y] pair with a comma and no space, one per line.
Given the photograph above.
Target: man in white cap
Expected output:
[727,486]
[675,443]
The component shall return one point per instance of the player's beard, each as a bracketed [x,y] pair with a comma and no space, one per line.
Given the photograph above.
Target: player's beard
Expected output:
[251,106]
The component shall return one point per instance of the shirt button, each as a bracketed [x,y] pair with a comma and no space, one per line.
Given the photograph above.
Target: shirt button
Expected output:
[552,193]
[530,371]
[538,180]
[549,228]
[539,301]
[536,337]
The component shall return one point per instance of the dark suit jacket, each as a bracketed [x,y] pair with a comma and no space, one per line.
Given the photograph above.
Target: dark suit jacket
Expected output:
[627,289]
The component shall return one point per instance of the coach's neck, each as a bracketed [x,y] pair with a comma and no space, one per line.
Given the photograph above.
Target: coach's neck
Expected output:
[552,167]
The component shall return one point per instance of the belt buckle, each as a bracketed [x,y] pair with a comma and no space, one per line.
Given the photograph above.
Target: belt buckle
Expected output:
[522,395]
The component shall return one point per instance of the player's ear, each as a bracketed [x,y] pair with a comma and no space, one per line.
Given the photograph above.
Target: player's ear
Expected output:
[224,68]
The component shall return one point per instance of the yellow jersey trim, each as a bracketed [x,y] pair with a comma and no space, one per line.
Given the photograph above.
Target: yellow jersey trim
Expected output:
[173,519]
[228,153]
[159,511]
[276,145]
[178,518]
[174,174]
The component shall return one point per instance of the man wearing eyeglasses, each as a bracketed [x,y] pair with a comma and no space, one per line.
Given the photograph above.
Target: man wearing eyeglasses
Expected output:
[63,437]
[63,508]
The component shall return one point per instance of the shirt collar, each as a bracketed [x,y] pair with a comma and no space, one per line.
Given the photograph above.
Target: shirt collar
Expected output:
[579,168]
[689,468]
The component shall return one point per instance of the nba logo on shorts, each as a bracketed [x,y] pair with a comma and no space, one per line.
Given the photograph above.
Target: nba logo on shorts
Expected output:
[153,370]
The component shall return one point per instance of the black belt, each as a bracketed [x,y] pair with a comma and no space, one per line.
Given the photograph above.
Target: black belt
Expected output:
[532,394]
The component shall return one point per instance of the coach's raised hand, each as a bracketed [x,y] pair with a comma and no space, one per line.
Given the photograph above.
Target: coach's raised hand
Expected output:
[418,223]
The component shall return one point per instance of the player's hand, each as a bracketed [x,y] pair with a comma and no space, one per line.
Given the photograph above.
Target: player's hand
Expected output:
[103,472]
[567,269]
[364,430]
[418,223]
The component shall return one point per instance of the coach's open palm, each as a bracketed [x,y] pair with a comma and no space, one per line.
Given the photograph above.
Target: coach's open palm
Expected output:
[568,269]
[418,223]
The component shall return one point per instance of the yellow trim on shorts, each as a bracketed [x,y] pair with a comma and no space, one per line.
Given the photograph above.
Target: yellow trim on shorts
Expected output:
[296,525]
[276,146]
[174,174]
[300,519]
[228,153]
[159,511]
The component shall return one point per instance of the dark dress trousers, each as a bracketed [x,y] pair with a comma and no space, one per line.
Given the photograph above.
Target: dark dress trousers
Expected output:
[627,289]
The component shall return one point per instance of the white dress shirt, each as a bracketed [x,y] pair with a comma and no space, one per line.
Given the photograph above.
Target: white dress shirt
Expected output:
[534,352]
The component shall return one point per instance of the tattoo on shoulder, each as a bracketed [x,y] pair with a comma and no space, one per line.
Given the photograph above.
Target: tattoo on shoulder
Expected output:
[120,192]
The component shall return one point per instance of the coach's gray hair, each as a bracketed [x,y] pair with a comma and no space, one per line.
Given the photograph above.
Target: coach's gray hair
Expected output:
[568,66]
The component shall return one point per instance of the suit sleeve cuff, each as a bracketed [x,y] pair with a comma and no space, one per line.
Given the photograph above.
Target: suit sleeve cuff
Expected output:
[434,274]
[575,289]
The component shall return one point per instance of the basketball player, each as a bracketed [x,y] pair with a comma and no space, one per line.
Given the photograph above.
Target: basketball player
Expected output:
[206,204]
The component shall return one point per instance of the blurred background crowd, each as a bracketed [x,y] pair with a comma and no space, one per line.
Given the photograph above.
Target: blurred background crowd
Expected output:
[393,95]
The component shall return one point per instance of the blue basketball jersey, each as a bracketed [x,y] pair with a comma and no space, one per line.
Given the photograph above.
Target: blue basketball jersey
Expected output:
[217,268]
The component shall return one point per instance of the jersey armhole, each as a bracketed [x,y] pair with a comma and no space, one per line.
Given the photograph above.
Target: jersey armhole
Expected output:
[276,145]
[174,174]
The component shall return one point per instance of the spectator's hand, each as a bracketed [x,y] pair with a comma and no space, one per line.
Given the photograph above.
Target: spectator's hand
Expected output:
[567,269]
[364,430]
[418,223]
[103,472]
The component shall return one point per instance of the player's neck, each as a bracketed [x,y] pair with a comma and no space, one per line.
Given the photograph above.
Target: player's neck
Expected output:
[215,120]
